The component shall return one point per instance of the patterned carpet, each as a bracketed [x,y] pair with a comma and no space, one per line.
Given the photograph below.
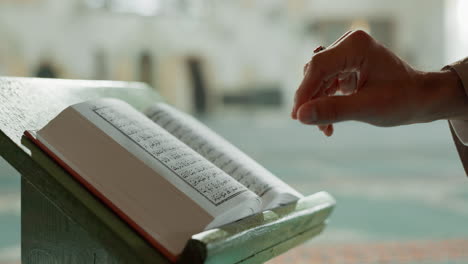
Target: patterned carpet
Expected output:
[403,184]
[421,252]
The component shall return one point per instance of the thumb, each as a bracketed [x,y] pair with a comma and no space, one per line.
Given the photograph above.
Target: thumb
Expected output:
[333,109]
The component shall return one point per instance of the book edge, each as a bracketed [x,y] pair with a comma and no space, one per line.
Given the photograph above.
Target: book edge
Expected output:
[32,136]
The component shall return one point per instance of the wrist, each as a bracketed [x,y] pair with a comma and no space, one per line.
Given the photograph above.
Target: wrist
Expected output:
[445,96]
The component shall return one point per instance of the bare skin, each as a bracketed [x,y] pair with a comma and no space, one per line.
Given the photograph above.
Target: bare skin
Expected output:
[379,88]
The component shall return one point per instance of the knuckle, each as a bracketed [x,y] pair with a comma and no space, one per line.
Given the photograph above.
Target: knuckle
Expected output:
[361,36]
[315,64]
[316,59]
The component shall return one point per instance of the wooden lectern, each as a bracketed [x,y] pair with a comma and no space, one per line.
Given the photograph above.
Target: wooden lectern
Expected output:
[61,222]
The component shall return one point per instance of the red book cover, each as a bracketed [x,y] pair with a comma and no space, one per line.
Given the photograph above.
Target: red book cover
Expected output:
[32,136]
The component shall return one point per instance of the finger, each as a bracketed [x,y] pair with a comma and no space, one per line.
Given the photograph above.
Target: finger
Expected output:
[331,84]
[305,68]
[346,56]
[329,87]
[333,109]
[332,87]
[304,71]
[329,131]
[317,49]
[326,129]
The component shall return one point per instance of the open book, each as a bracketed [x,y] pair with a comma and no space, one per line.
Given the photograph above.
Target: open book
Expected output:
[164,173]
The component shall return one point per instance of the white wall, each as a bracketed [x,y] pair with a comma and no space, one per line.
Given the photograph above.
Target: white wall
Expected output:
[419,24]
[456,36]
[244,43]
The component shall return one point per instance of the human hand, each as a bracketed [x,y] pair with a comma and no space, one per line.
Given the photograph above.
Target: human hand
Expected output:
[378,87]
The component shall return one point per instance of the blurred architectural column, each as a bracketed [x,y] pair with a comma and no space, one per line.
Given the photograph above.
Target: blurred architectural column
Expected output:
[197,79]
[145,68]
[101,71]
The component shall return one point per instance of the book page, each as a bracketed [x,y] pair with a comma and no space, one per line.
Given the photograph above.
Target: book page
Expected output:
[202,181]
[224,155]
[162,188]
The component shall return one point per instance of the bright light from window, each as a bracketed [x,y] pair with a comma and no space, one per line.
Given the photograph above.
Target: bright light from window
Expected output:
[456,30]
[462,19]
[361,24]
[140,7]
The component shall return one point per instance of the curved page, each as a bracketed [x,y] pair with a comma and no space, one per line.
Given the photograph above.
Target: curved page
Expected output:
[154,180]
[273,191]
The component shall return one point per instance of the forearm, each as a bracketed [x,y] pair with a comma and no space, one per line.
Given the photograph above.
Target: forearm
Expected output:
[443,97]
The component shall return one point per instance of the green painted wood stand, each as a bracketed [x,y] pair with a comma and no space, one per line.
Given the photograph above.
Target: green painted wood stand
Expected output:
[62,222]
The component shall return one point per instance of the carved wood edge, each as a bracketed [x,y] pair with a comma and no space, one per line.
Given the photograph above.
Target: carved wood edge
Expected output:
[268,231]
[281,247]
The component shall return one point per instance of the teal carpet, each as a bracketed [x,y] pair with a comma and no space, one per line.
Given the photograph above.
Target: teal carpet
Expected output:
[397,188]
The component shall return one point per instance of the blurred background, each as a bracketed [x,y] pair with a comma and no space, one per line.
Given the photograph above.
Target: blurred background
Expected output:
[402,193]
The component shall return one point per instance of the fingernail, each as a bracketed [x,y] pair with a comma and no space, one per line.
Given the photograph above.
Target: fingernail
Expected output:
[313,116]
[319,48]
[309,118]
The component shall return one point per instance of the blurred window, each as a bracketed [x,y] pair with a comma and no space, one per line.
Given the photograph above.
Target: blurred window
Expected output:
[100,65]
[151,7]
[456,29]
[140,7]
[195,69]
[146,68]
